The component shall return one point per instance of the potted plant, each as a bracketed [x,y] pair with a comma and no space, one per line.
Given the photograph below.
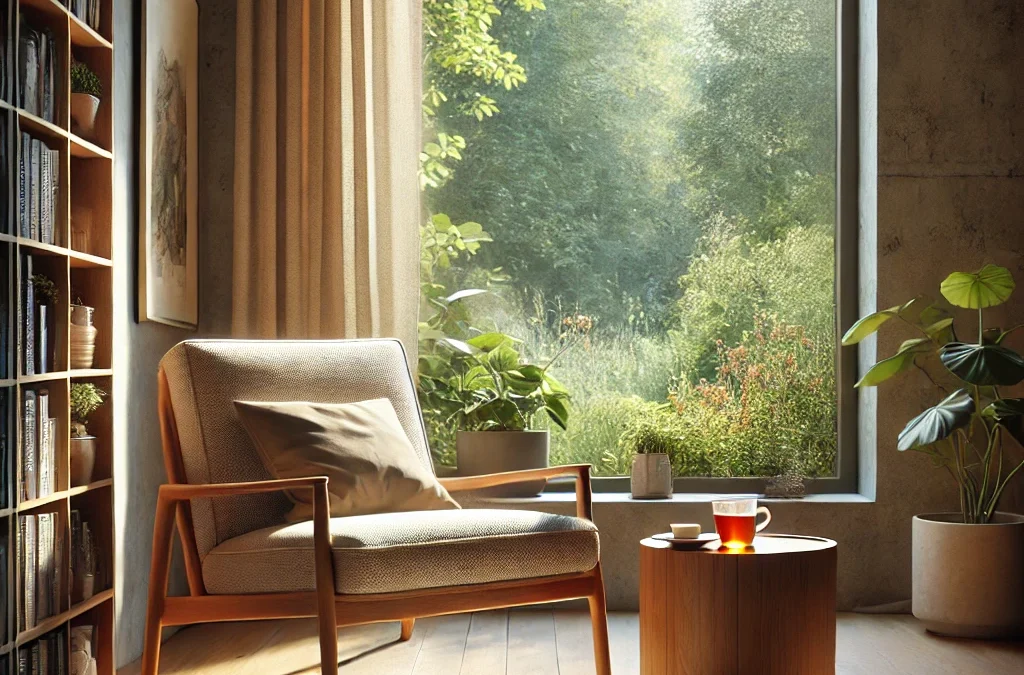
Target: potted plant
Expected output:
[46,297]
[83,335]
[650,476]
[85,97]
[967,566]
[86,397]
[496,399]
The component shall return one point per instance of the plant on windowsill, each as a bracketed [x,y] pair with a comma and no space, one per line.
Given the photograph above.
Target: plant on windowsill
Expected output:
[86,398]
[650,475]
[497,399]
[967,566]
[86,91]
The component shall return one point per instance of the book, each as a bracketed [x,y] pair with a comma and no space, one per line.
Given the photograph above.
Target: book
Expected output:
[5,457]
[45,201]
[27,310]
[54,192]
[24,146]
[43,340]
[45,565]
[28,67]
[3,590]
[29,475]
[42,436]
[35,192]
[30,563]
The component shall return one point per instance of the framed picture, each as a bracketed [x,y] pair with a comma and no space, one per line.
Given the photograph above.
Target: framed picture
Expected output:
[169,163]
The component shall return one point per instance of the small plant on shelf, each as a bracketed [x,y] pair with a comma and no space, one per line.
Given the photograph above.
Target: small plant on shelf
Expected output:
[85,399]
[45,290]
[86,91]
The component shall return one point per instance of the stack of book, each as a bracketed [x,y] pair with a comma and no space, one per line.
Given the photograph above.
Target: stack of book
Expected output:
[38,190]
[40,557]
[86,10]
[45,656]
[38,72]
[38,446]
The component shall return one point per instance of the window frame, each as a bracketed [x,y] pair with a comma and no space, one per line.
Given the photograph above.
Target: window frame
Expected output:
[846,288]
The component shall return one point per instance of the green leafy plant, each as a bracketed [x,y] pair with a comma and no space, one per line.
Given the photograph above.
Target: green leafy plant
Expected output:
[84,80]
[86,397]
[966,432]
[45,290]
[494,390]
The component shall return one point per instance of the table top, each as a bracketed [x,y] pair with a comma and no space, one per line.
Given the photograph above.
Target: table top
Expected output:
[764,544]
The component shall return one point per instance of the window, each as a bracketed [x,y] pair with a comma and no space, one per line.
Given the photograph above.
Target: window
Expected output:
[646,191]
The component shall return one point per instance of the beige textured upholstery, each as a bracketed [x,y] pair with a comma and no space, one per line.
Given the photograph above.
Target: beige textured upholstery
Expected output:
[404,551]
[205,377]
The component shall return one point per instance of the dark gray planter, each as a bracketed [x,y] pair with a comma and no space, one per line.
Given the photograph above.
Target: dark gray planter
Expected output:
[481,452]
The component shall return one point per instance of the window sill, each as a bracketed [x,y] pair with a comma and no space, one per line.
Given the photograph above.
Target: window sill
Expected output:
[679,498]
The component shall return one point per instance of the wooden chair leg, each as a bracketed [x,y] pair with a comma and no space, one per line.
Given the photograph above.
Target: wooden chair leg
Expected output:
[324,566]
[159,571]
[407,625]
[599,625]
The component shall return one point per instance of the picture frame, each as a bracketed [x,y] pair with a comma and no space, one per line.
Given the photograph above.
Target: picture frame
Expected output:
[169,163]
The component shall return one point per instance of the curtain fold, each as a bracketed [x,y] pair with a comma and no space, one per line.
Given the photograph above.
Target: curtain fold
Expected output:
[327,135]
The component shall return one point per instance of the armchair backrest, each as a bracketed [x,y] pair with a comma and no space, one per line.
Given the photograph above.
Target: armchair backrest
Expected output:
[205,377]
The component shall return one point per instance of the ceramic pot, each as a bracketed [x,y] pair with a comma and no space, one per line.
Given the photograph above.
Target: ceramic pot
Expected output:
[83,459]
[480,452]
[83,337]
[83,112]
[651,476]
[967,579]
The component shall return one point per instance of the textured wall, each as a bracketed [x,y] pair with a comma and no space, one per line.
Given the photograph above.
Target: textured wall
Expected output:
[949,196]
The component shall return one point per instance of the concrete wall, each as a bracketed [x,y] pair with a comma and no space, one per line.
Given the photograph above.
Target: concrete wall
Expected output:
[949,196]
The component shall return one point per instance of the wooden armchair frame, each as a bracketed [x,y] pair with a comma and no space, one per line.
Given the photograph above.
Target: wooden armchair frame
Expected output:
[333,610]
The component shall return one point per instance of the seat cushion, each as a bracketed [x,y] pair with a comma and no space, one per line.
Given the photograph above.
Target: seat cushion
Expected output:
[390,552]
[359,446]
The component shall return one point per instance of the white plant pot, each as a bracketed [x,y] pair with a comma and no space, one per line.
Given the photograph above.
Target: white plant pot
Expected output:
[481,452]
[968,580]
[651,476]
[83,112]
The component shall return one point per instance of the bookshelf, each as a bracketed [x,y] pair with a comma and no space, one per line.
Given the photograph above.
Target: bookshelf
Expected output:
[71,246]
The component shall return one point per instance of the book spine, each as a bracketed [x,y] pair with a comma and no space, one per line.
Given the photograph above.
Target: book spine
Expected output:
[46,203]
[43,556]
[28,315]
[29,457]
[35,187]
[42,432]
[43,345]
[30,544]
[24,149]
[51,426]
[54,193]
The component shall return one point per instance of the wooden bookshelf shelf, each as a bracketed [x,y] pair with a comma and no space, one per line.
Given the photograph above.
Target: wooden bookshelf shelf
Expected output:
[87,149]
[60,192]
[50,623]
[82,260]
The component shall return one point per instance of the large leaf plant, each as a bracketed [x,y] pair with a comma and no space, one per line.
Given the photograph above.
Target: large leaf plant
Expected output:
[967,432]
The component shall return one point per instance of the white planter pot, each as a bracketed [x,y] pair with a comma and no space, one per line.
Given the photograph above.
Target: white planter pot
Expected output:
[651,476]
[480,452]
[968,580]
[83,112]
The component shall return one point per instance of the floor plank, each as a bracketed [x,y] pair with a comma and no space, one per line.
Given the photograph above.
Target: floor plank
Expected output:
[486,644]
[444,644]
[531,643]
[541,642]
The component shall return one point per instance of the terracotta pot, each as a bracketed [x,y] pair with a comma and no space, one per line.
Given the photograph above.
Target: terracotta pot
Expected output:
[83,459]
[968,579]
[83,112]
[651,476]
[480,452]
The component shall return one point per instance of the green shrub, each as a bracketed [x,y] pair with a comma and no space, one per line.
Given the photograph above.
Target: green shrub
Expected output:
[84,80]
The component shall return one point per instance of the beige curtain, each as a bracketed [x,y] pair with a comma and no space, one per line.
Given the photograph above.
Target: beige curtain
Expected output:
[326,142]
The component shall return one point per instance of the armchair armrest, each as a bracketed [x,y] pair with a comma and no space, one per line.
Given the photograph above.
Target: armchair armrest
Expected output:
[177,492]
[584,496]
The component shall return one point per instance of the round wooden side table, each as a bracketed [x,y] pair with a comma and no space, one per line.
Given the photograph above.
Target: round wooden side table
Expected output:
[768,609]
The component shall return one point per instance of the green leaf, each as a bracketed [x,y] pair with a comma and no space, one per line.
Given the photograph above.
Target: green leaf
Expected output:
[503,358]
[868,325]
[533,373]
[463,294]
[1009,412]
[557,409]
[490,341]
[988,287]
[894,365]
[938,422]
[984,365]
[457,345]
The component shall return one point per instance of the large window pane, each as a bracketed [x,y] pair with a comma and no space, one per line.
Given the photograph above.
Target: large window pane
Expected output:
[654,183]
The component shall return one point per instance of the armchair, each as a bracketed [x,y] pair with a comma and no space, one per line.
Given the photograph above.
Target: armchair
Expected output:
[244,562]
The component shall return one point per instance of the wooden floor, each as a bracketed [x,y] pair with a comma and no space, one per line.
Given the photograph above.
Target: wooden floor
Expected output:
[542,643]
